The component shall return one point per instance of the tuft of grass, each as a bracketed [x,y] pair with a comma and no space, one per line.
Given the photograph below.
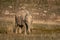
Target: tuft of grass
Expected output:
[46,26]
[45,29]
[4,25]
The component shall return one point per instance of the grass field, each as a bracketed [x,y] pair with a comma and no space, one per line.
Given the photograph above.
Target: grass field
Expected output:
[39,32]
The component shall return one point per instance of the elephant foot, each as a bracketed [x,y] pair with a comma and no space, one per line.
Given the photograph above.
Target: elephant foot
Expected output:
[29,31]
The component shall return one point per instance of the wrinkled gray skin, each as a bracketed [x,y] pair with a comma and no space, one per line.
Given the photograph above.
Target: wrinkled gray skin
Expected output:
[23,18]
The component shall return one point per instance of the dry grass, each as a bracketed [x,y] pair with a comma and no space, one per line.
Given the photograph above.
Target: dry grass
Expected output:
[39,32]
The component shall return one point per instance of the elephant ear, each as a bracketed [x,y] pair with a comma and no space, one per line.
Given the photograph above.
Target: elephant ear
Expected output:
[29,18]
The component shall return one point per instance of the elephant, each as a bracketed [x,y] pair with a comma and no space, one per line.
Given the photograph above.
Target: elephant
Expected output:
[23,19]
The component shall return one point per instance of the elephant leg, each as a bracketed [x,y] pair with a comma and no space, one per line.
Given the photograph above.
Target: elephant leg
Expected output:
[16,30]
[20,30]
[29,27]
[25,28]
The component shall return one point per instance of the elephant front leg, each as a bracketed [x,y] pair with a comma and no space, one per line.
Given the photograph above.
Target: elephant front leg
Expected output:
[20,30]
[25,29]
[29,27]
[16,30]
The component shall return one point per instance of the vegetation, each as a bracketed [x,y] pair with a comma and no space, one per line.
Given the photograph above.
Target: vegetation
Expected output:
[39,31]
[4,4]
[4,25]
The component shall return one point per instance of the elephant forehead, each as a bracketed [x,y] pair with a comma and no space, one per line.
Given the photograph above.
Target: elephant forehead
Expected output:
[21,11]
[18,15]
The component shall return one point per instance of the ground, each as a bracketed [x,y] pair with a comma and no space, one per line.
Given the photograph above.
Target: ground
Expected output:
[39,32]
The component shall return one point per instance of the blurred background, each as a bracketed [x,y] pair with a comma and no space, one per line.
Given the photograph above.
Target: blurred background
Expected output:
[46,17]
